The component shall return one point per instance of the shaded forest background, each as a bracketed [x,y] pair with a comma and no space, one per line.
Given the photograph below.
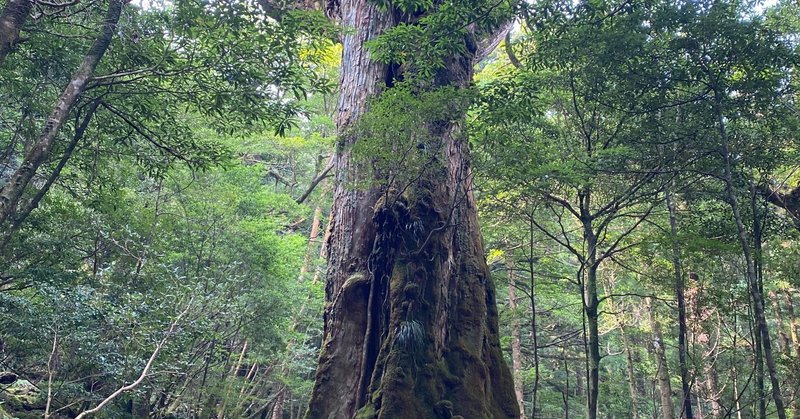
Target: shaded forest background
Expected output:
[166,179]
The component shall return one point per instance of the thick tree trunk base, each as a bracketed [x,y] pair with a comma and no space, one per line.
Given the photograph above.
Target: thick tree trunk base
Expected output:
[411,324]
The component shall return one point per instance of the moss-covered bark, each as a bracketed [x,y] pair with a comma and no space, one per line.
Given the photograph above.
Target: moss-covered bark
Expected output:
[411,321]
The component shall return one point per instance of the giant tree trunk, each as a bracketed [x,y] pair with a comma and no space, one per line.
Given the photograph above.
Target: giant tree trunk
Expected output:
[410,318]
[14,15]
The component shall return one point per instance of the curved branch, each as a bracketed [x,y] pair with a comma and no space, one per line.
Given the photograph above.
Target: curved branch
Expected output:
[145,370]
[324,174]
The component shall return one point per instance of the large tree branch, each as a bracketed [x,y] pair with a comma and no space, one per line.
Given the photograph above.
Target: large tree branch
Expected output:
[490,43]
[80,130]
[788,201]
[12,191]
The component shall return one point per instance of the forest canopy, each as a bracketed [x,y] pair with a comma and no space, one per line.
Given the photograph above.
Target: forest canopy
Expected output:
[409,208]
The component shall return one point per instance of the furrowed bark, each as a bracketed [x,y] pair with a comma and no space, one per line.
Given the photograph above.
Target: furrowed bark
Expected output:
[14,15]
[410,318]
[12,191]
[352,232]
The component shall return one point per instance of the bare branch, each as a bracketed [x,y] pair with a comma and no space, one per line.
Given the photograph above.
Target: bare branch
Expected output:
[145,370]
[324,174]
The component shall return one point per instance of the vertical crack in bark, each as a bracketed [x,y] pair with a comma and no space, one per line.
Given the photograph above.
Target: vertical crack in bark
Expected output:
[411,322]
[386,220]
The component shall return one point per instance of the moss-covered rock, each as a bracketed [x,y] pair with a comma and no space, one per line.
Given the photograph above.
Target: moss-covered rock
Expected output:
[20,399]
[3,413]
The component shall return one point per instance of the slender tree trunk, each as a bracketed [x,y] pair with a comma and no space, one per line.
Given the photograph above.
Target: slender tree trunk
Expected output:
[793,330]
[233,373]
[12,191]
[592,317]
[312,239]
[411,319]
[784,343]
[758,357]
[51,373]
[516,347]
[680,286]
[712,386]
[705,330]
[795,341]
[323,248]
[662,373]
[580,385]
[626,346]
[277,408]
[734,374]
[591,305]
[759,352]
[566,394]
[744,242]
[534,324]
[631,371]
[14,15]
